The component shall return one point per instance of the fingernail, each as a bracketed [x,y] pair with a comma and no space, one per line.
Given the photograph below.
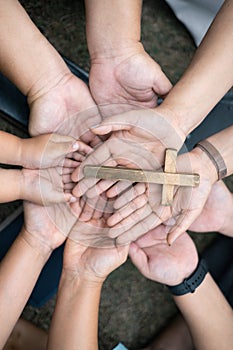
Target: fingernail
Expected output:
[75,145]
[73,199]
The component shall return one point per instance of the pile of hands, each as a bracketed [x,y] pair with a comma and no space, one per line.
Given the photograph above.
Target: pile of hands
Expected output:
[115,124]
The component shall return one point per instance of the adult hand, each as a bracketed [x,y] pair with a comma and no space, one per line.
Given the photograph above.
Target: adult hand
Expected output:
[137,136]
[215,216]
[64,107]
[90,263]
[130,76]
[47,226]
[162,263]
[140,216]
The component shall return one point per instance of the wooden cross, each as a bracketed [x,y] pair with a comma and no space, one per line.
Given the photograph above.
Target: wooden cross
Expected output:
[169,178]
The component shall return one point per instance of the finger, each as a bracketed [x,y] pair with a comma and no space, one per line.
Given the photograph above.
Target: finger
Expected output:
[76,156]
[100,207]
[99,188]
[128,210]
[88,209]
[147,224]
[131,221]
[70,163]
[67,171]
[146,126]
[83,147]
[156,236]
[69,186]
[134,191]
[66,178]
[85,184]
[124,121]
[184,221]
[91,139]
[76,207]
[161,84]
[118,188]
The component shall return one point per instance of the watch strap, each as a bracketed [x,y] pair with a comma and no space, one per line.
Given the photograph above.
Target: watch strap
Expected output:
[190,284]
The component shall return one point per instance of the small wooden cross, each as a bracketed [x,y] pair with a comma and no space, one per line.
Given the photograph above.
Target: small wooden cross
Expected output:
[169,178]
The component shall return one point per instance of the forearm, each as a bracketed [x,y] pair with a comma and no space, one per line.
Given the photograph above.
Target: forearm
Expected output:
[10,146]
[207,78]
[26,57]
[209,316]
[76,313]
[19,271]
[112,26]
[20,184]
[10,189]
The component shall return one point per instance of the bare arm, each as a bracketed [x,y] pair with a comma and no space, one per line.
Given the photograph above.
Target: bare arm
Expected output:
[10,146]
[207,78]
[208,315]
[26,254]
[112,26]
[77,308]
[121,71]
[26,57]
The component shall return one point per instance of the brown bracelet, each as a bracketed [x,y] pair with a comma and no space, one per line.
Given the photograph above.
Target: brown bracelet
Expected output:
[214,156]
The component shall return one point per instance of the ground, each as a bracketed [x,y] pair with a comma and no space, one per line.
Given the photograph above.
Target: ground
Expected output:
[133,309]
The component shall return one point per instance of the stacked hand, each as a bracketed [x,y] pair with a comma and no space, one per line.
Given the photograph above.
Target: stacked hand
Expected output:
[139,143]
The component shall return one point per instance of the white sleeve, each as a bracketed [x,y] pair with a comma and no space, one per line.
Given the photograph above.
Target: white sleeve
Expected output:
[196,15]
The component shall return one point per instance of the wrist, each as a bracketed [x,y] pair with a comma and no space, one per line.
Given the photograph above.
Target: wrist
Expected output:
[176,118]
[173,136]
[192,282]
[40,247]
[73,277]
[206,166]
[30,186]
[115,51]
[56,73]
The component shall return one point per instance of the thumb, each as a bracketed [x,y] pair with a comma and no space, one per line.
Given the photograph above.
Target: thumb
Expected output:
[182,224]
[139,258]
[161,84]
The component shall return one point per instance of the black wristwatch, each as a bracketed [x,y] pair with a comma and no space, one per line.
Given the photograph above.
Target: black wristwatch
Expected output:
[190,284]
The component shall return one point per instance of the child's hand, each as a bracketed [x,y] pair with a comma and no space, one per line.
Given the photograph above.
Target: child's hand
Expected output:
[52,183]
[50,150]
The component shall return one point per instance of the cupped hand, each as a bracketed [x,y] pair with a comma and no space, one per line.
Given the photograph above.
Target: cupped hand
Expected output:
[48,226]
[58,108]
[132,134]
[131,76]
[159,262]
[92,264]
[215,216]
[140,215]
